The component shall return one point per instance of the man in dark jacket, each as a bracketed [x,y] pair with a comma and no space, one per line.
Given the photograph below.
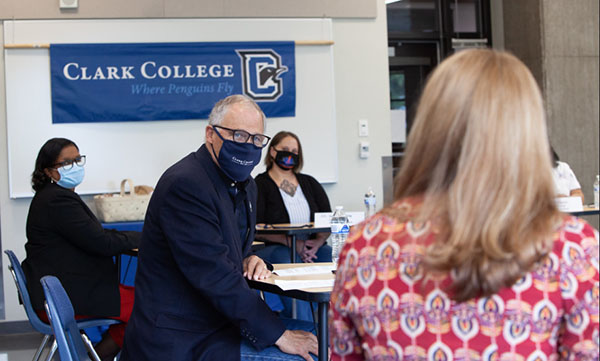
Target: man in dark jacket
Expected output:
[191,300]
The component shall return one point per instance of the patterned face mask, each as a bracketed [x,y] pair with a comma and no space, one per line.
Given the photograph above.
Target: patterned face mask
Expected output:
[286,160]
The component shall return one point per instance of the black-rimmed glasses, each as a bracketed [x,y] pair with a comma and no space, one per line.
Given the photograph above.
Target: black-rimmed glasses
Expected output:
[242,136]
[68,164]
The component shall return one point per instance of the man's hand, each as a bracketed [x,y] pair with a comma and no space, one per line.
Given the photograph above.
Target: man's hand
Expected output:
[298,342]
[255,268]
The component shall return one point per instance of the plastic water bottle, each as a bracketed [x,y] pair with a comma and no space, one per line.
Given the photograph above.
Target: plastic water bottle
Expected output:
[596,185]
[370,203]
[339,232]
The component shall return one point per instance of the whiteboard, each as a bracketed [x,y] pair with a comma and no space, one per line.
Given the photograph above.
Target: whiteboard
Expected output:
[142,151]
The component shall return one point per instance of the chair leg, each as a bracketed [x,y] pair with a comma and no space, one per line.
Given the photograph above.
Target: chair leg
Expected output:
[52,351]
[90,347]
[40,349]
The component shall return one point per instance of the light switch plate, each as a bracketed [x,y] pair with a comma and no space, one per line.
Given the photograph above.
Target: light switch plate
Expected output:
[363,150]
[363,128]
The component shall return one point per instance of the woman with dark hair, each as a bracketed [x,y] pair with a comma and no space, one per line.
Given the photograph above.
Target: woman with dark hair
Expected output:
[287,196]
[473,261]
[66,240]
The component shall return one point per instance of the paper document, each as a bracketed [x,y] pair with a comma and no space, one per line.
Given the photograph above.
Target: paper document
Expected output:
[323,219]
[569,204]
[303,284]
[303,271]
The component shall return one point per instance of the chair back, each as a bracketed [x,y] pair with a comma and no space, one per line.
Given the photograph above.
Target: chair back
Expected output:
[21,283]
[62,318]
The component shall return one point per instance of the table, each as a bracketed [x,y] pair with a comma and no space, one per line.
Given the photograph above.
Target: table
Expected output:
[292,230]
[587,211]
[319,295]
[124,226]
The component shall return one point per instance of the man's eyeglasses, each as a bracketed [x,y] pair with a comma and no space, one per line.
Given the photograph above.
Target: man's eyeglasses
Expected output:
[68,164]
[242,136]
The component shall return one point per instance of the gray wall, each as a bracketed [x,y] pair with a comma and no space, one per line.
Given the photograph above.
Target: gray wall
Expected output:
[558,40]
[570,65]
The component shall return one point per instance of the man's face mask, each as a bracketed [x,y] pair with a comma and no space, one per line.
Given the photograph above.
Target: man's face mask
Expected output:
[237,160]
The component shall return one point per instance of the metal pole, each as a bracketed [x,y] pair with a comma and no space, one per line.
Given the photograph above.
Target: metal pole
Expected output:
[322,335]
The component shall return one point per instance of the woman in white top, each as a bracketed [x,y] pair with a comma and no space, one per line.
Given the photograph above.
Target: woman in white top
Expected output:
[285,195]
[565,182]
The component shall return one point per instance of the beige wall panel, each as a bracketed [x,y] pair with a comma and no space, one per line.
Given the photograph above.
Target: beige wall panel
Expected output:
[573,115]
[6,9]
[49,9]
[20,9]
[271,8]
[571,27]
[184,8]
[121,8]
[88,9]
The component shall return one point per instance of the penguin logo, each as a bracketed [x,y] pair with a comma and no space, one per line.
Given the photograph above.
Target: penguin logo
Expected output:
[261,71]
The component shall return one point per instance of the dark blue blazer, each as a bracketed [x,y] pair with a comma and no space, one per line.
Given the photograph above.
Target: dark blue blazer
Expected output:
[191,301]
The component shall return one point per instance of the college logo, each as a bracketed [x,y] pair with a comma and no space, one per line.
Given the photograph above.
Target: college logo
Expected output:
[261,71]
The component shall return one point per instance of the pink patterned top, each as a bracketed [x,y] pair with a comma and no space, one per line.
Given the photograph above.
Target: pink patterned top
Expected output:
[382,308]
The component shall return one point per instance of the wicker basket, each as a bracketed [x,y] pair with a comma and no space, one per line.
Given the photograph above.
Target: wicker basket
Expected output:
[115,207]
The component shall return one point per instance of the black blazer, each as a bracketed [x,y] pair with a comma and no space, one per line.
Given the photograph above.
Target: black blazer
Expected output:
[270,207]
[191,301]
[66,240]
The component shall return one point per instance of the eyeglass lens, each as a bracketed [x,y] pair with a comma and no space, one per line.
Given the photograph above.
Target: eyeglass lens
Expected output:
[242,136]
[68,164]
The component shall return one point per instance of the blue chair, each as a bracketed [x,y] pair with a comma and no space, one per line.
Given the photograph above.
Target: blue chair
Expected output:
[40,326]
[62,318]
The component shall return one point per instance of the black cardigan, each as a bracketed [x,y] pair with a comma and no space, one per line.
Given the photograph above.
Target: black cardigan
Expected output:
[270,206]
[66,240]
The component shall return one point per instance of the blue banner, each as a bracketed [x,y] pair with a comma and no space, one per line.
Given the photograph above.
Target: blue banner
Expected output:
[168,81]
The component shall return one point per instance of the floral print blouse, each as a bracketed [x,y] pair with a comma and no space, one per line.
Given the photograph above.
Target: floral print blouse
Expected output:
[383,308]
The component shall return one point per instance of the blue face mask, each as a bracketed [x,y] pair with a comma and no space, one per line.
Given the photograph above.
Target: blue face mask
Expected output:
[237,160]
[70,178]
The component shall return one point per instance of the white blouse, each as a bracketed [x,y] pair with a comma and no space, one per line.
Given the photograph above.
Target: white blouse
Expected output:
[564,179]
[296,206]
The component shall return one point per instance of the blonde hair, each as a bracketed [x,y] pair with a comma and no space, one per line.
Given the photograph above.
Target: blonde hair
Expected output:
[479,156]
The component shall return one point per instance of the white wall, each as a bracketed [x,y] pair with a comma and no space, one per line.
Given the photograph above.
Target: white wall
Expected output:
[362,92]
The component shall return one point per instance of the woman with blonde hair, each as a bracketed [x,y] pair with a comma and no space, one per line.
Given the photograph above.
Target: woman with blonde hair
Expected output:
[473,261]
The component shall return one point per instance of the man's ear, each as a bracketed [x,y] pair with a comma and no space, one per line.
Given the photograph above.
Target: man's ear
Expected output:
[208,134]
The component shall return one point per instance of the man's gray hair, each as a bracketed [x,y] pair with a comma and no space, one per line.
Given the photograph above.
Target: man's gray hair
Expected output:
[220,109]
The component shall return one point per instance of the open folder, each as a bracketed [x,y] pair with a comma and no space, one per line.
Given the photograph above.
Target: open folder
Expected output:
[303,284]
[304,271]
